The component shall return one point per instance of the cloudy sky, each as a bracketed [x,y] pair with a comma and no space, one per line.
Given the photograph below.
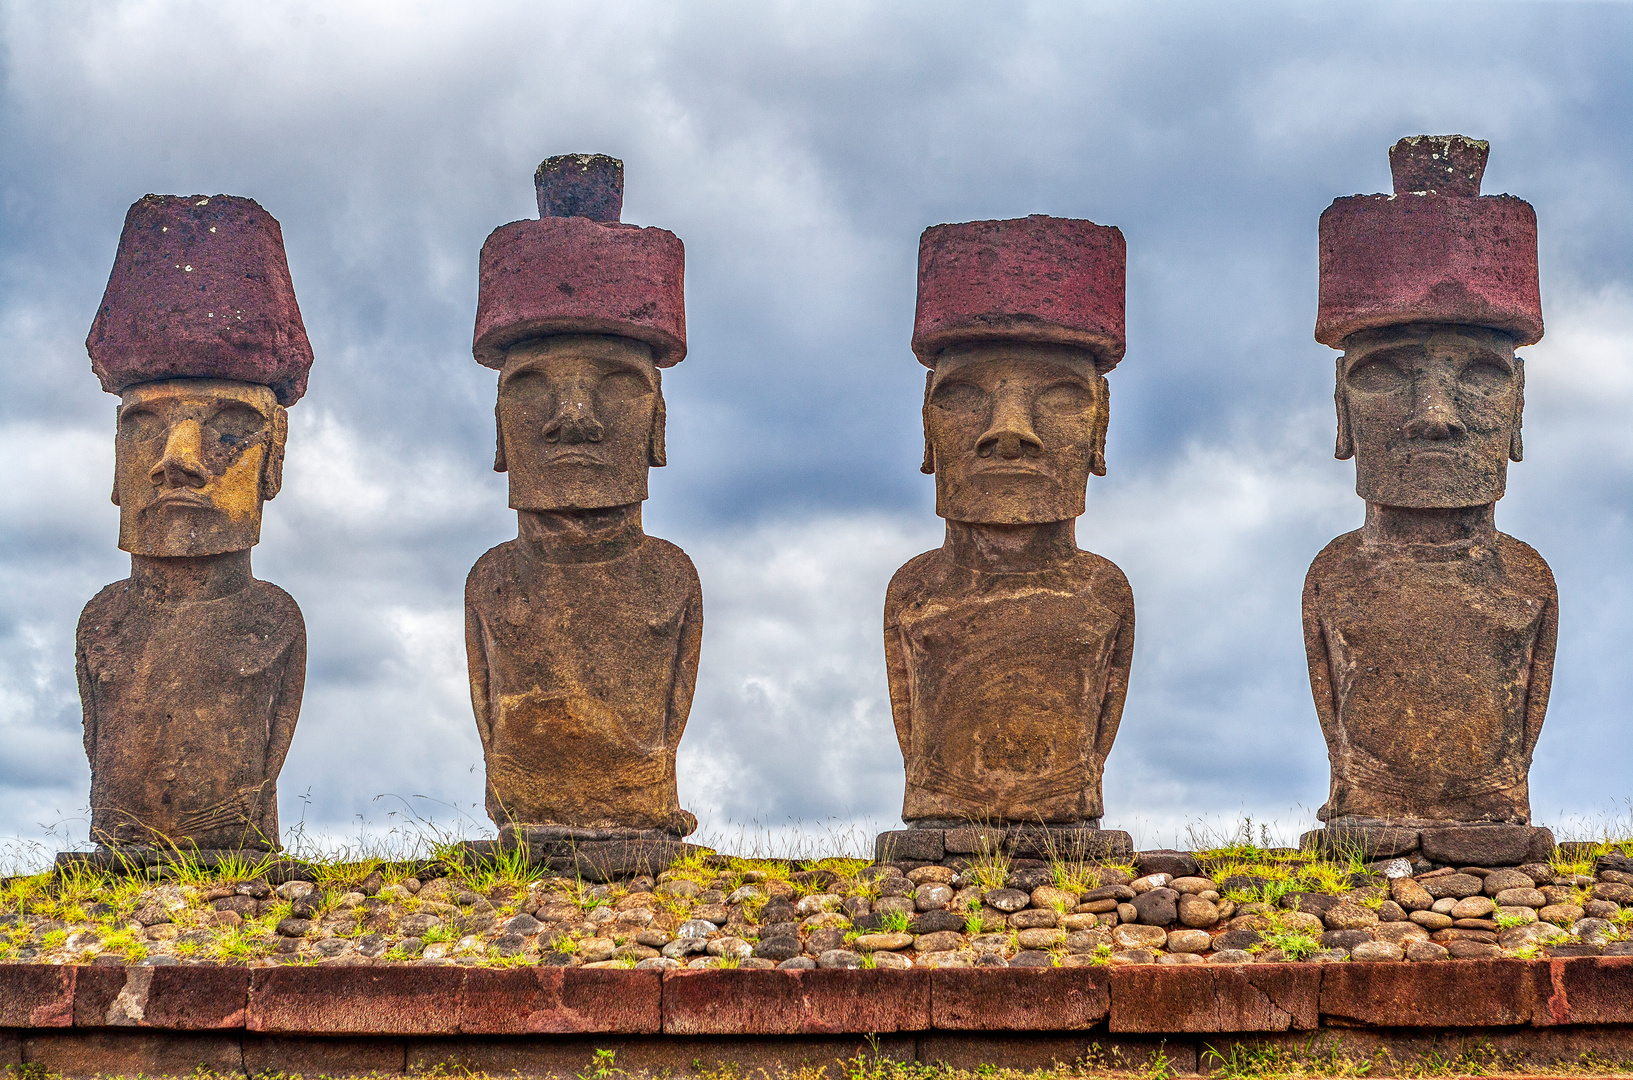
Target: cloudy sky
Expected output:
[798,149]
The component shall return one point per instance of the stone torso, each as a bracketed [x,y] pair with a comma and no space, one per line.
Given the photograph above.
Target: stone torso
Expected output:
[581,677]
[189,709]
[1431,666]
[1007,688]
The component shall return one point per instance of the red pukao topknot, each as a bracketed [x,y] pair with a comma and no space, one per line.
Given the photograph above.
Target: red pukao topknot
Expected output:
[1041,279]
[200,288]
[1434,251]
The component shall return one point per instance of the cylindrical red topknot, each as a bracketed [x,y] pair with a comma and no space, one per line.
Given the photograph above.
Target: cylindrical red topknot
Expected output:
[580,185]
[1040,279]
[200,288]
[1446,255]
[1438,164]
[571,275]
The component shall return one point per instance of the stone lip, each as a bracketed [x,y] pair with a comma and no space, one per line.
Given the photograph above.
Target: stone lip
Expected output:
[403,1000]
[572,275]
[1035,279]
[200,288]
[1388,260]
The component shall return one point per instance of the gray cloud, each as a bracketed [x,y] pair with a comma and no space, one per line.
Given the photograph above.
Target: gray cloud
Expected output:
[799,151]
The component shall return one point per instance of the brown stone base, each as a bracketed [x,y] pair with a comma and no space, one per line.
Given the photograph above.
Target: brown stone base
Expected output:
[964,842]
[1602,1051]
[1454,1018]
[162,862]
[1443,844]
[593,854]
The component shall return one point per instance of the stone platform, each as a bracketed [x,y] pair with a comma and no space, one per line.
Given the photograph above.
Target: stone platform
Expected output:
[593,854]
[401,1020]
[1438,843]
[957,842]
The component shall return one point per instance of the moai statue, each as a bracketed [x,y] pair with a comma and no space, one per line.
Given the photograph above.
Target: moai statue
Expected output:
[1430,634]
[1008,648]
[190,670]
[582,634]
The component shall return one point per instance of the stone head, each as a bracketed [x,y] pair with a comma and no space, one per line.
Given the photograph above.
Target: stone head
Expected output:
[1428,291]
[194,459]
[578,312]
[1431,413]
[1018,321]
[580,419]
[1012,431]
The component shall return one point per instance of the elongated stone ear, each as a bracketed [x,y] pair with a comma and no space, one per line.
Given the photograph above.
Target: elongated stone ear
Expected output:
[656,454]
[272,465]
[928,465]
[1516,446]
[1345,448]
[499,462]
[1097,440]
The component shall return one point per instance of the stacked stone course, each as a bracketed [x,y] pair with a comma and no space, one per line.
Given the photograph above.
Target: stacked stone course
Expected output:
[1163,909]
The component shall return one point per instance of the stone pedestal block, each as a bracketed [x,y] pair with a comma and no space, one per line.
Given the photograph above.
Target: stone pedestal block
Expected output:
[1447,843]
[154,862]
[1370,842]
[593,854]
[971,841]
[1486,845]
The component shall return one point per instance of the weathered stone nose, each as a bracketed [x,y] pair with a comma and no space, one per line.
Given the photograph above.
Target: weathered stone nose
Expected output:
[1435,416]
[1010,435]
[575,421]
[183,461]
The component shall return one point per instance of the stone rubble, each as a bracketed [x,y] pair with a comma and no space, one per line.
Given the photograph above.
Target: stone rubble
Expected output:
[714,913]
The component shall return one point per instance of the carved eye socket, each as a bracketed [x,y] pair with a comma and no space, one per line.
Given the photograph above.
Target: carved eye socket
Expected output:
[1485,376]
[959,397]
[528,391]
[234,425]
[525,383]
[1377,377]
[139,424]
[1065,397]
[622,386]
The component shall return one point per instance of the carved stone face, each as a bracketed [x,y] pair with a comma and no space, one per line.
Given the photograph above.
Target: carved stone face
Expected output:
[580,421]
[193,461]
[1431,414]
[1013,430]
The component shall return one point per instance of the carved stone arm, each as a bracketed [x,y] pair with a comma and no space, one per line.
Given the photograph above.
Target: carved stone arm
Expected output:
[476,659]
[687,652]
[87,699]
[286,709]
[901,683]
[1322,683]
[1111,707]
[1542,672]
